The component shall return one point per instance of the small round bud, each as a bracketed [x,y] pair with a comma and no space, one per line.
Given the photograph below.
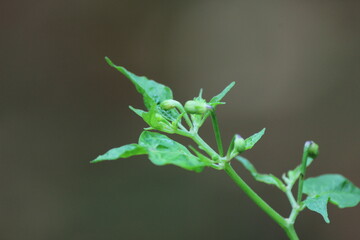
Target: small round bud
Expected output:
[313,149]
[168,104]
[239,144]
[196,107]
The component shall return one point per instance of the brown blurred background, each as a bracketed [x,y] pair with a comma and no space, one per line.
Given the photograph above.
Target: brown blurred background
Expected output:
[297,68]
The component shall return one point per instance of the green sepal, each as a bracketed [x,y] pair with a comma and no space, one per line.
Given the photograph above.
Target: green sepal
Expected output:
[252,140]
[231,146]
[198,120]
[153,92]
[265,178]
[121,152]
[163,150]
[333,188]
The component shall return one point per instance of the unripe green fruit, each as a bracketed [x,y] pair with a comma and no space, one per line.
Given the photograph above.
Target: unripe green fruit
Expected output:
[313,150]
[196,107]
[239,144]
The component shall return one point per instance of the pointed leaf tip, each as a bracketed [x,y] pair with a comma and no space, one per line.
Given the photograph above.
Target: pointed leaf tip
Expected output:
[121,152]
[153,93]
[252,140]
[221,95]
[109,61]
[318,204]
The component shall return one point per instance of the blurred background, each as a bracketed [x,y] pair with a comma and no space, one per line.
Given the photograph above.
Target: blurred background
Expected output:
[297,68]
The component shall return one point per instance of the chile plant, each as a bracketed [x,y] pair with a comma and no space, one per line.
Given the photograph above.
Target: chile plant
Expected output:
[164,114]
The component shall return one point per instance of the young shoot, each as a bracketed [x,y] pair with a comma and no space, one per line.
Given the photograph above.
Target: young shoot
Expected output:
[163,114]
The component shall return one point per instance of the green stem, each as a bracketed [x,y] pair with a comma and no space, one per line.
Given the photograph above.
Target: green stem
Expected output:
[291,233]
[291,198]
[286,224]
[186,116]
[215,124]
[253,196]
[293,215]
[281,221]
[204,146]
[303,172]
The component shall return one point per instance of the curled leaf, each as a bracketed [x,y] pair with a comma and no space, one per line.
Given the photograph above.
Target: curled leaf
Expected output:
[265,178]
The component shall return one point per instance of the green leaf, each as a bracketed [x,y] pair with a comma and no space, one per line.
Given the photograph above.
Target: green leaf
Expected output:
[201,156]
[137,111]
[157,121]
[340,190]
[252,140]
[121,152]
[153,92]
[265,178]
[293,175]
[171,114]
[319,205]
[334,188]
[221,95]
[163,150]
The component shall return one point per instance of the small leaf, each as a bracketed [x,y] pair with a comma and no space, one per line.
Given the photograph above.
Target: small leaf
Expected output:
[153,92]
[163,150]
[293,175]
[221,95]
[137,111]
[157,121]
[335,188]
[265,178]
[121,152]
[252,140]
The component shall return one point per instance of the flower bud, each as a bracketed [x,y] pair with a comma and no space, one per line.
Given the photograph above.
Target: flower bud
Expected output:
[239,144]
[196,107]
[313,149]
[169,104]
